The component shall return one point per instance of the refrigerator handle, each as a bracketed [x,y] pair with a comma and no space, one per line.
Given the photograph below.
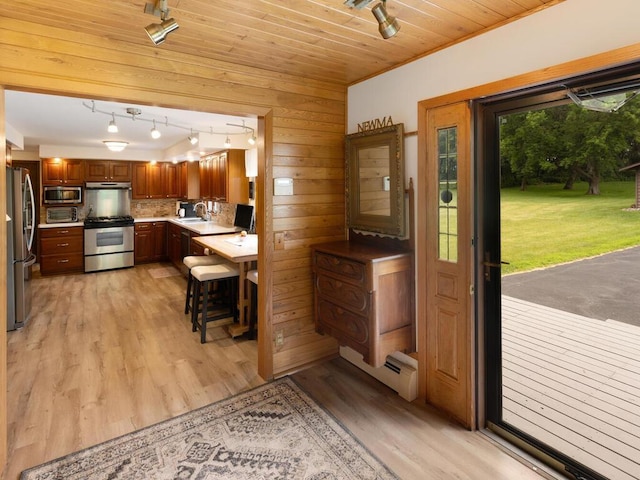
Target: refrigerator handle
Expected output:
[32,214]
[30,260]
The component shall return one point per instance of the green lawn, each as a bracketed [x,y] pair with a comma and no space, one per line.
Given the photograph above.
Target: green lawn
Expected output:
[545,225]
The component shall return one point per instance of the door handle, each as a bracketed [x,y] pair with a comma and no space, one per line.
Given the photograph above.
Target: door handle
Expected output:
[488,265]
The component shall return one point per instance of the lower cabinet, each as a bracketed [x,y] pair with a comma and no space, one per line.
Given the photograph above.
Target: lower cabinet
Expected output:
[364,298]
[150,242]
[61,250]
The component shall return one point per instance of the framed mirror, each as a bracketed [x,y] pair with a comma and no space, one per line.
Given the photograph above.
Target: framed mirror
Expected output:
[375,181]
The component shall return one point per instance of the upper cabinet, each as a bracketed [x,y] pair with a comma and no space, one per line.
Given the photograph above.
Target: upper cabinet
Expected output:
[61,171]
[107,171]
[222,177]
[155,180]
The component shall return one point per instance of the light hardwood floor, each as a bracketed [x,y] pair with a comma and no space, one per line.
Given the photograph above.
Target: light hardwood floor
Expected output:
[108,353]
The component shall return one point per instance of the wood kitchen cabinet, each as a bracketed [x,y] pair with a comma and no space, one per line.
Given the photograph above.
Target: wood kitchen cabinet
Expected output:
[61,250]
[150,242]
[222,177]
[155,180]
[107,171]
[364,298]
[62,171]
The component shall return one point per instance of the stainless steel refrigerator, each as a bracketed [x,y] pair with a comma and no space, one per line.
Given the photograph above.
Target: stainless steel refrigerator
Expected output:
[20,234]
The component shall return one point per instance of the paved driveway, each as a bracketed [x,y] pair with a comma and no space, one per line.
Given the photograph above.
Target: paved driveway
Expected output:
[603,287]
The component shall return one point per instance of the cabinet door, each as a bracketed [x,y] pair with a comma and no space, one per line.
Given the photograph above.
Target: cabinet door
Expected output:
[183,180]
[174,245]
[120,171]
[73,172]
[155,180]
[96,171]
[139,184]
[52,171]
[143,247]
[205,177]
[237,182]
[159,241]
[171,180]
[219,177]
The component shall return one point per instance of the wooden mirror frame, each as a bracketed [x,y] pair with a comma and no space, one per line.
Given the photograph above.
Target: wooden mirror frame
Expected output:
[393,224]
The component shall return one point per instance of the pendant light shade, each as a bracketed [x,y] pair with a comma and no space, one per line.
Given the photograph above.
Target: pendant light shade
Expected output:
[158,31]
[387,25]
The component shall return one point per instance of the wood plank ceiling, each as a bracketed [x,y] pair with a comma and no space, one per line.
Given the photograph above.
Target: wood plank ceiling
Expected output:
[319,39]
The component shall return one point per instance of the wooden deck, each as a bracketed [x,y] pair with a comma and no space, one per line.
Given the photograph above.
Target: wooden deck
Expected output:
[574,383]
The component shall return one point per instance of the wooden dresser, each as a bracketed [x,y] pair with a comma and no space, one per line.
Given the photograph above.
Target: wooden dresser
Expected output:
[364,298]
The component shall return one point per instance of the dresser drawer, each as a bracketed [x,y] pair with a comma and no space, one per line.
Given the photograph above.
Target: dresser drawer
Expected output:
[61,245]
[341,266]
[341,323]
[343,293]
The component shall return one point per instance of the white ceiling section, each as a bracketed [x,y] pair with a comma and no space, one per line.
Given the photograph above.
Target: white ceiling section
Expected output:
[76,128]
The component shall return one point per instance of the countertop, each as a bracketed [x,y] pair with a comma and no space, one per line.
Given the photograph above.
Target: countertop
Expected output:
[201,228]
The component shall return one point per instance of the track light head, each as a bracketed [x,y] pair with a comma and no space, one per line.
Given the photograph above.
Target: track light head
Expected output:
[252,140]
[387,26]
[112,128]
[158,31]
[227,142]
[155,133]
[193,138]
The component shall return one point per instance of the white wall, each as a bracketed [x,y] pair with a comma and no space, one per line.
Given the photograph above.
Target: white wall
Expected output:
[568,31]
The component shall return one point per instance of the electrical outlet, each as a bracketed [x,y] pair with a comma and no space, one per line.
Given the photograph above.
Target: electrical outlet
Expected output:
[279,338]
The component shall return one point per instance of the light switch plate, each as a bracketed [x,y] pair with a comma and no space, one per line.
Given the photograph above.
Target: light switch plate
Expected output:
[283,186]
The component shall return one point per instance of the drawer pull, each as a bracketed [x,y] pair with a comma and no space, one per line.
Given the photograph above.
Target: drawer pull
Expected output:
[63,231]
[63,245]
[63,261]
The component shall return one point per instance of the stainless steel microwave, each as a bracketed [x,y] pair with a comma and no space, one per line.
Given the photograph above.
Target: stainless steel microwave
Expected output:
[59,195]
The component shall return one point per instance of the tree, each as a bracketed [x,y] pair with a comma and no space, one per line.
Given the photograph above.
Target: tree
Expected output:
[569,142]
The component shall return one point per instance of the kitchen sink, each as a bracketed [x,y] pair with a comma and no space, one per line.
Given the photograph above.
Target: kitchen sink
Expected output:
[191,220]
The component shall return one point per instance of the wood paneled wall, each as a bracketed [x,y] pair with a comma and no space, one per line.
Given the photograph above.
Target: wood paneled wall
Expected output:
[3,291]
[302,127]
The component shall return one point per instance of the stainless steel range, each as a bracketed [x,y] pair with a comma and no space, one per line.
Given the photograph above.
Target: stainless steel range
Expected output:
[108,228]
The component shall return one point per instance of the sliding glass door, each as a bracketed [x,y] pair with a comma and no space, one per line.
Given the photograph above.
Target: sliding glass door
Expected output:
[560,230]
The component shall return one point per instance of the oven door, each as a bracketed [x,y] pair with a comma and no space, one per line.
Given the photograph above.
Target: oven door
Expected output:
[98,241]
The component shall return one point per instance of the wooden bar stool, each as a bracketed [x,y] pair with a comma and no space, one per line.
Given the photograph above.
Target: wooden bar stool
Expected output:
[203,277]
[252,276]
[197,261]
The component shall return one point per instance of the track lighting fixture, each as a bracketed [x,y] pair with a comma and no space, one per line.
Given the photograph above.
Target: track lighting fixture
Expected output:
[155,133]
[115,145]
[158,31]
[387,26]
[112,128]
[135,114]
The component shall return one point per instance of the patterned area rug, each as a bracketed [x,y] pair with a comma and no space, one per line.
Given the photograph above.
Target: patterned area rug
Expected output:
[275,431]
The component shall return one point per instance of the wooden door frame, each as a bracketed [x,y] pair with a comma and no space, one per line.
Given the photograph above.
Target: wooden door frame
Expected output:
[535,78]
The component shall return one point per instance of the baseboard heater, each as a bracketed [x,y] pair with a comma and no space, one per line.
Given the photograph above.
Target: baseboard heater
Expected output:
[400,371]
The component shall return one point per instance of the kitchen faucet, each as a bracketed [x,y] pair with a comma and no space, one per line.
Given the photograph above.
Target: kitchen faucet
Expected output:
[207,215]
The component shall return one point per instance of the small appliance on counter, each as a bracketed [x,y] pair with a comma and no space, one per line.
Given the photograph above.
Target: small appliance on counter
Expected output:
[62,214]
[189,211]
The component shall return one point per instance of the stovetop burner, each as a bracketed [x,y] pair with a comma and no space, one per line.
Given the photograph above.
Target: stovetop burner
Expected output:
[103,222]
